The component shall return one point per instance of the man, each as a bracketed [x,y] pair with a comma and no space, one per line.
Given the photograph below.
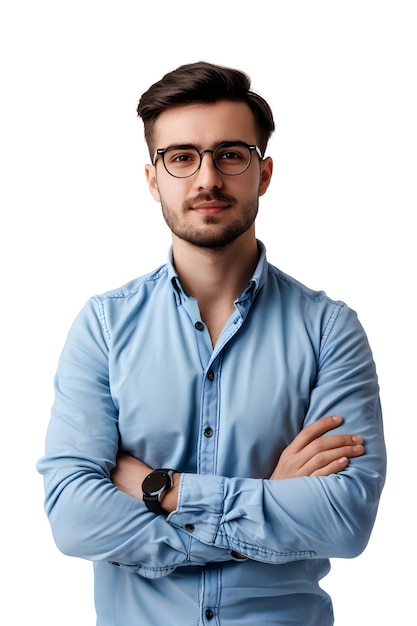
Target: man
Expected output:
[189,453]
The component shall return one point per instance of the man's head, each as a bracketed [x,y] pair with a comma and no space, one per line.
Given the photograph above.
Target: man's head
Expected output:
[207,134]
[199,83]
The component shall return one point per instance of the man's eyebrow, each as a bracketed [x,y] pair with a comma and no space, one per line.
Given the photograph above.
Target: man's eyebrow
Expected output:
[182,145]
[200,147]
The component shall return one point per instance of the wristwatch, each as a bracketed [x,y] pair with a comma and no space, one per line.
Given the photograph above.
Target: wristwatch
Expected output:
[153,486]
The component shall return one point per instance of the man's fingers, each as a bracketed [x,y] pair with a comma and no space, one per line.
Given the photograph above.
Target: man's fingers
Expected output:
[313,431]
[332,468]
[314,453]
[336,457]
[331,442]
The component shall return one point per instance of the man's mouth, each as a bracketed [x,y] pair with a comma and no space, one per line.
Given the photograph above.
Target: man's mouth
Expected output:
[210,207]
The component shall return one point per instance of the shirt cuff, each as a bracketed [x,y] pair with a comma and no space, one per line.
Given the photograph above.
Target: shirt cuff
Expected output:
[200,506]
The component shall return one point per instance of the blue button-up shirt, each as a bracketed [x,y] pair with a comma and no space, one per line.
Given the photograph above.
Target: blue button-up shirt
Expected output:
[138,372]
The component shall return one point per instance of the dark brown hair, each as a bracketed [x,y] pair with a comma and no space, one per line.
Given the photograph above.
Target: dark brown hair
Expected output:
[203,82]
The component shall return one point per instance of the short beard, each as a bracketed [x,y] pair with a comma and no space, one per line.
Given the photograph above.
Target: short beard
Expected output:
[213,238]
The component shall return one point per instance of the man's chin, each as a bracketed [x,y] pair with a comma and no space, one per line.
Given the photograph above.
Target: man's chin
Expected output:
[216,241]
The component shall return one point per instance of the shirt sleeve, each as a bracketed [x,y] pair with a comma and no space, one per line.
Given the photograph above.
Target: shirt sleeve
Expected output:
[89,516]
[277,521]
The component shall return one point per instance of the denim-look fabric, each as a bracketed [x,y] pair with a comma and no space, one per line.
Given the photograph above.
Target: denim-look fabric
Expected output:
[138,372]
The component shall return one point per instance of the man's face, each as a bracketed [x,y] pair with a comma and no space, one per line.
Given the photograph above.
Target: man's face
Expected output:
[208,209]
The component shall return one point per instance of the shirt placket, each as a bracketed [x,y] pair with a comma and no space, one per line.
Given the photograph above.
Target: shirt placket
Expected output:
[209,425]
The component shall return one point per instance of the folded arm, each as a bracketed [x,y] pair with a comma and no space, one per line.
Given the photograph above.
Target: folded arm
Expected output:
[323,504]
[310,454]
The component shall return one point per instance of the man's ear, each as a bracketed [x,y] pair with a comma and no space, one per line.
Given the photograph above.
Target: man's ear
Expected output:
[150,173]
[266,174]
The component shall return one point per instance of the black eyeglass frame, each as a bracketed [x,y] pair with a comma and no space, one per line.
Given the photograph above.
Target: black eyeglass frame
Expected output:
[225,144]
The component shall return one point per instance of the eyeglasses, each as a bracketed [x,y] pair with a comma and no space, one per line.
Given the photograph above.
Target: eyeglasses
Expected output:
[231,158]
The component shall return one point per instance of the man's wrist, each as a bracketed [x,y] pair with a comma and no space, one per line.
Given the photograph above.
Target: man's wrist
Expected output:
[169,499]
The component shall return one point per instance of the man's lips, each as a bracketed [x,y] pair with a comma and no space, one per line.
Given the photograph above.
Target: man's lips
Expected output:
[210,207]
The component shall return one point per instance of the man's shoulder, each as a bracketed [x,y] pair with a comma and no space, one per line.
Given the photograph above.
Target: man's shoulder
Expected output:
[308,308]
[295,288]
[136,285]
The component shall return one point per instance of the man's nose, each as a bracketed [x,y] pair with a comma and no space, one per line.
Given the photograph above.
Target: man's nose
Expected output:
[208,175]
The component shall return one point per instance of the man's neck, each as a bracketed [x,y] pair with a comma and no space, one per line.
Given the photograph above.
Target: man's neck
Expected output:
[215,277]
[213,274]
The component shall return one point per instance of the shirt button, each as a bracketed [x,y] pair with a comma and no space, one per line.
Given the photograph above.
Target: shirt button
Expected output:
[210,375]
[209,614]
[199,325]
[189,528]
[208,432]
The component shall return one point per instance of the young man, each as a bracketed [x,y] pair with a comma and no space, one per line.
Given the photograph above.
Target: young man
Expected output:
[227,374]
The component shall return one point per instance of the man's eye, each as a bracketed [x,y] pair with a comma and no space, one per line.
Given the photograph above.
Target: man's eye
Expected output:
[229,155]
[181,157]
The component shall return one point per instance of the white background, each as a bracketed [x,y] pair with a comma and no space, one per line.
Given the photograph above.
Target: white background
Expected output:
[77,219]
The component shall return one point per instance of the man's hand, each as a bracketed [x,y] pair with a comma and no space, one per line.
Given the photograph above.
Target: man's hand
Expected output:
[310,454]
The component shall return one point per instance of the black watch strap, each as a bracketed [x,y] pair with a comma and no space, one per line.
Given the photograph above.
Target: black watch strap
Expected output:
[153,504]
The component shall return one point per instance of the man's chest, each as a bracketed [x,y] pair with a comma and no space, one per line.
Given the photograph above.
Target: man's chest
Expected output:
[229,411]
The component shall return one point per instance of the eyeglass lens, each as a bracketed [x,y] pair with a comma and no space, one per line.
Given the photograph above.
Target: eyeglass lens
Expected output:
[184,161]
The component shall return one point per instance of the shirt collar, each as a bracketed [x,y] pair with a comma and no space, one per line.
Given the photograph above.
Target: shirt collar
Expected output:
[248,294]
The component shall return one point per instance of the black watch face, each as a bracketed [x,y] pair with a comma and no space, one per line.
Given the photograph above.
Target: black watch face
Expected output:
[155,481]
